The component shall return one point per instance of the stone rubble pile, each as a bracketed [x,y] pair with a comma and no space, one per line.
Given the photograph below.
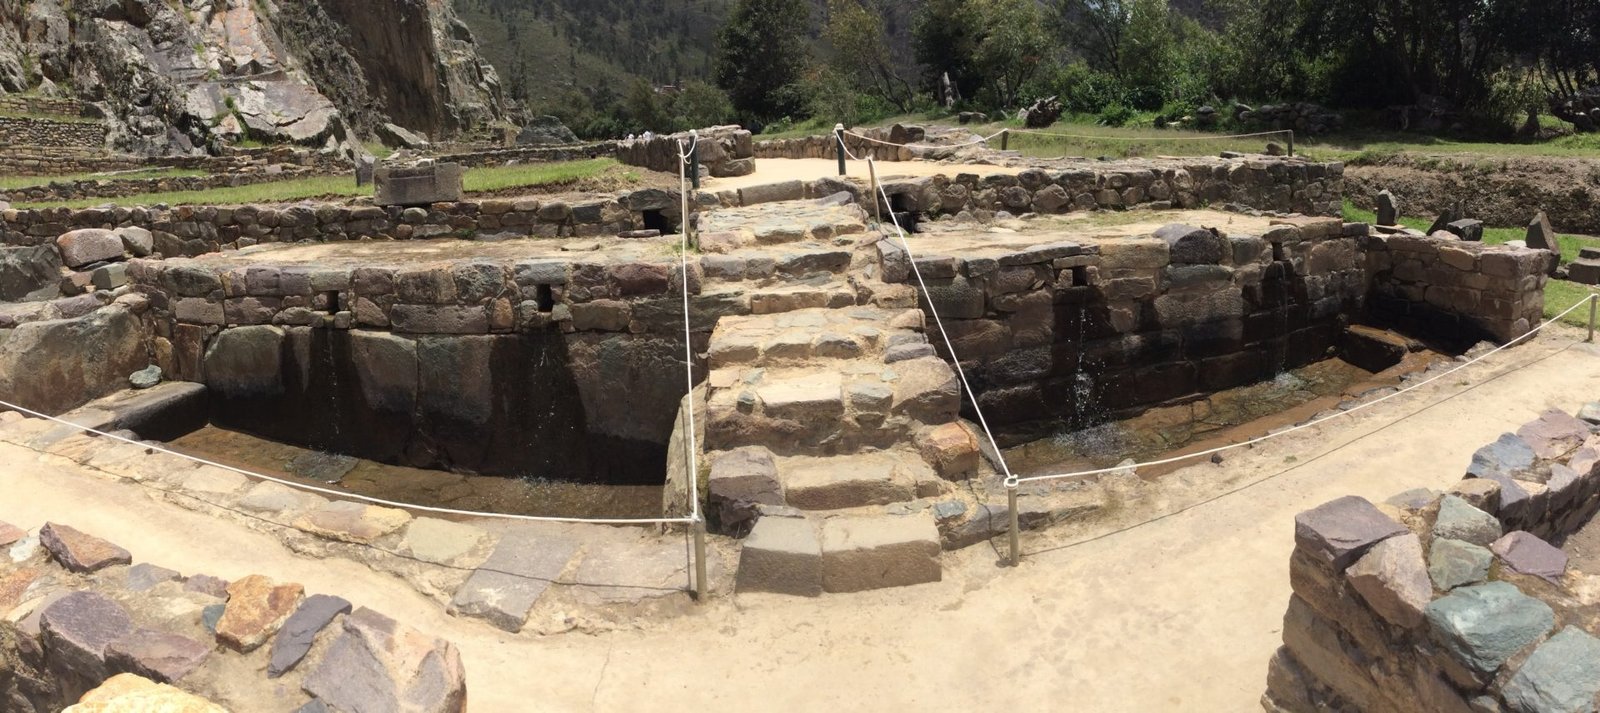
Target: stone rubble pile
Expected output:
[81,622]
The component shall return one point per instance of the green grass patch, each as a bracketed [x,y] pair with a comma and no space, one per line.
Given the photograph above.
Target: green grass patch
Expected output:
[1558,294]
[15,182]
[477,180]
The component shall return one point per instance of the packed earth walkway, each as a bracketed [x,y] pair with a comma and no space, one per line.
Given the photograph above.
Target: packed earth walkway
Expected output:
[1181,613]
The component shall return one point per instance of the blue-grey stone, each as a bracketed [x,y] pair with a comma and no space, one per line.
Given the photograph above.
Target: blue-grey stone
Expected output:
[1459,520]
[145,378]
[1504,457]
[300,631]
[1485,625]
[211,615]
[315,706]
[1561,676]
[1413,499]
[1453,563]
[1342,530]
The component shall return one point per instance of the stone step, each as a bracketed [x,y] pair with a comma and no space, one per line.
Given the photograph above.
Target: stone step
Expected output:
[777,223]
[797,262]
[812,294]
[845,406]
[846,553]
[800,336]
[855,481]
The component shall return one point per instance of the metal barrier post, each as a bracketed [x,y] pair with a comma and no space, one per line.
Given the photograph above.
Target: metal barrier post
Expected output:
[1015,554]
[1005,139]
[694,159]
[1592,299]
[1291,143]
[838,139]
[700,588]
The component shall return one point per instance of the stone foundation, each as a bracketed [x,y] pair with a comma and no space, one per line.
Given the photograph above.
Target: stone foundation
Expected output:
[1452,602]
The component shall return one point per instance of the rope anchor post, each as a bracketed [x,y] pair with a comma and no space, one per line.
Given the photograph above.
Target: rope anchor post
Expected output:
[1592,299]
[1005,139]
[838,148]
[1291,143]
[694,160]
[701,589]
[1014,555]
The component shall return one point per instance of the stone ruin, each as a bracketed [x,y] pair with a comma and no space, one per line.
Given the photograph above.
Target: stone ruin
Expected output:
[543,337]
[1455,601]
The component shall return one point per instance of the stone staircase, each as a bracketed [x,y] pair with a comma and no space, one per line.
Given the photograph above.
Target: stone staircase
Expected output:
[831,425]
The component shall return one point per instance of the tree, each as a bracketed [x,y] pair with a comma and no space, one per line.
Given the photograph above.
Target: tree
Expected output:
[699,105]
[945,35]
[861,52]
[761,52]
[1013,47]
[1095,29]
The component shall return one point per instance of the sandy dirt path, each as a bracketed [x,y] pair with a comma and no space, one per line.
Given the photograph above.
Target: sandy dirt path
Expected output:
[1180,614]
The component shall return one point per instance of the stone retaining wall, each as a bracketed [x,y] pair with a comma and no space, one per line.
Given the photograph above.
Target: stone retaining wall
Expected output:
[194,230]
[1265,184]
[530,154]
[112,187]
[20,131]
[57,106]
[1452,602]
[1070,335]
[1459,291]
[826,146]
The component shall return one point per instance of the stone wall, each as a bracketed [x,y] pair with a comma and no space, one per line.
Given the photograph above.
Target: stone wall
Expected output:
[1265,184]
[826,146]
[568,368]
[724,151]
[1455,290]
[530,154]
[34,161]
[112,187]
[56,106]
[1452,602]
[22,131]
[1070,336]
[194,230]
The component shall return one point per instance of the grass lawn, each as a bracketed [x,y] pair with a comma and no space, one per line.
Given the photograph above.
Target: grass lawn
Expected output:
[15,182]
[1094,140]
[477,180]
[1558,294]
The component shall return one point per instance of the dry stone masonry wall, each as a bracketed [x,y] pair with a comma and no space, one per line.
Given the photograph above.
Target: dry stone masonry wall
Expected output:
[27,131]
[1457,290]
[1449,602]
[723,151]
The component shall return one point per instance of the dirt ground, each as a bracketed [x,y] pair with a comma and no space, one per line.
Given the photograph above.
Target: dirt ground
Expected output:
[1179,614]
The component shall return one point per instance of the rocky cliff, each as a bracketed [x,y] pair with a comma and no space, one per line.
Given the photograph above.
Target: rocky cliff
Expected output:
[174,76]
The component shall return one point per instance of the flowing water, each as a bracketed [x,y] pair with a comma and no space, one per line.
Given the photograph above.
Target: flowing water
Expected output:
[419,486]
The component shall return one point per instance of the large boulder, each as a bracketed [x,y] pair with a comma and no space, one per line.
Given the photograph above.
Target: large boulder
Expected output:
[57,365]
[27,269]
[545,130]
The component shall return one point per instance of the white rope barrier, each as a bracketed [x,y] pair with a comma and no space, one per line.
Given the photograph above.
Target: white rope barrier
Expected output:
[906,246]
[342,493]
[1316,421]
